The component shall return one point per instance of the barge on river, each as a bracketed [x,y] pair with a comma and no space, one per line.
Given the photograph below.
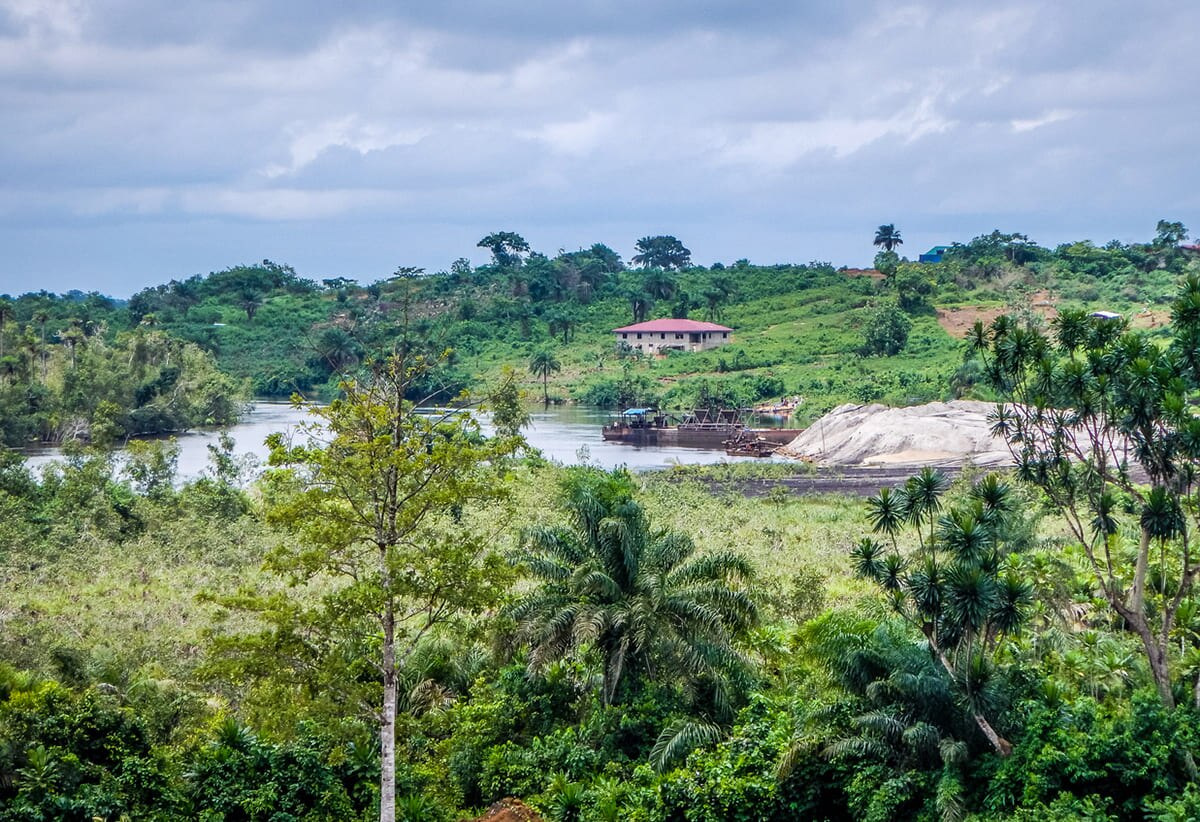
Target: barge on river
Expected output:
[698,429]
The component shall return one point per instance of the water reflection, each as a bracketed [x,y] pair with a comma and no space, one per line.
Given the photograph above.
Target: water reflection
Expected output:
[566,434]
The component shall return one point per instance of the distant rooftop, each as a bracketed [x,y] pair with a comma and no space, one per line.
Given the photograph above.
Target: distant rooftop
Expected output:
[669,325]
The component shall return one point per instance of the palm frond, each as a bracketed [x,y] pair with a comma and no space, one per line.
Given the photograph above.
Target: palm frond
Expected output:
[922,738]
[950,797]
[680,738]
[722,566]
[856,747]
[882,724]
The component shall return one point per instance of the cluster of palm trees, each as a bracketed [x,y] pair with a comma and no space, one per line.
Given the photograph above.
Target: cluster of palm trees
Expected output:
[957,588]
[34,347]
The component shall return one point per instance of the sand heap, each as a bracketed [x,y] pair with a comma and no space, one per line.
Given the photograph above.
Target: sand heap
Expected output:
[940,433]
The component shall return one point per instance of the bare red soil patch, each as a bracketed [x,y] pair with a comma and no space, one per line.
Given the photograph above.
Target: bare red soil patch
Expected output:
[873,273]
[1150,318]
[958,321]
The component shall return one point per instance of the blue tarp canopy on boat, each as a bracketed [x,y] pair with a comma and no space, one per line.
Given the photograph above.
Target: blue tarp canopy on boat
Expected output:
[641,411]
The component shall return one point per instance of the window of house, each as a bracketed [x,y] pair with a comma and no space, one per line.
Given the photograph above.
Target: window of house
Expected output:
[639,336]
[724,335]
[662,336]
[624,336]
[679,336]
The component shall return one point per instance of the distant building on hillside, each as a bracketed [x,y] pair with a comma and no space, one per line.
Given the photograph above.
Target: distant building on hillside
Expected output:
[680,335]
[933,255]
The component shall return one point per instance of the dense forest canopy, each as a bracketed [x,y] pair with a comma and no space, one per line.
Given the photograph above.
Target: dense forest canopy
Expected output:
[405,618]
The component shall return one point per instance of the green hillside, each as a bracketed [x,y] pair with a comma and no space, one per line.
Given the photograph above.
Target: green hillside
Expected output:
[811,330]
[798,329]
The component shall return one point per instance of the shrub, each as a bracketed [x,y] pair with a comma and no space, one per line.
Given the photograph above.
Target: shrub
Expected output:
[886,331]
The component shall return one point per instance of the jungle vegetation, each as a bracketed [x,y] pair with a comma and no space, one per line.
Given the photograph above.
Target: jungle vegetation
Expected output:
[799,329]
[404,618]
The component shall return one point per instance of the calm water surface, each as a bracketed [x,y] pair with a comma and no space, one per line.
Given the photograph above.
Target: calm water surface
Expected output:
[567,434]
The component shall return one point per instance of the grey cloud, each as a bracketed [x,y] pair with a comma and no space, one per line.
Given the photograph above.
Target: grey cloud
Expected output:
[345,137]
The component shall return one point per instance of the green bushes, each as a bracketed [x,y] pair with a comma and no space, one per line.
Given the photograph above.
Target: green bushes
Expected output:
[1128,753]
[885,332]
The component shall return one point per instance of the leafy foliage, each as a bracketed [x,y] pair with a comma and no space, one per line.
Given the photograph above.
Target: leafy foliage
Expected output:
[635,595]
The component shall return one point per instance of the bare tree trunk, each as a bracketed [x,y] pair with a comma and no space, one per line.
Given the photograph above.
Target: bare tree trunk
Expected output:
[1001,745]
[1137,593]
[1156,652]
[387,725]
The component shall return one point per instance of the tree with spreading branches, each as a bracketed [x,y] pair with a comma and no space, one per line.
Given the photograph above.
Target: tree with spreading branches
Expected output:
[1103,419]
[663,251]
[506,247]
[378,498]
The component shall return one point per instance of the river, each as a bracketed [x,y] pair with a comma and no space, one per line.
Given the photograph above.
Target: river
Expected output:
[569,434]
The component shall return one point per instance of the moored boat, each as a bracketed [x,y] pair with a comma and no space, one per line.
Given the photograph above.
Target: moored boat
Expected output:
[709,429]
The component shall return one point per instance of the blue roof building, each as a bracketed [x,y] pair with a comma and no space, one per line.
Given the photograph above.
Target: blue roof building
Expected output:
[933,255]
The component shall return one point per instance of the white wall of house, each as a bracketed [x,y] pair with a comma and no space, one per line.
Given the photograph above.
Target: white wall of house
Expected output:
[658,341]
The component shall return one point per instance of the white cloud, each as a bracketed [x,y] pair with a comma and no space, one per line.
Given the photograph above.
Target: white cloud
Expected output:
[771,146]
[1037,122]
[47,19]
[307,142]
[577,137]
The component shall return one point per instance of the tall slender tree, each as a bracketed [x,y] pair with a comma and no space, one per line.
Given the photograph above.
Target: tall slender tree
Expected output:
[377,495]
[6,314]
[41,318]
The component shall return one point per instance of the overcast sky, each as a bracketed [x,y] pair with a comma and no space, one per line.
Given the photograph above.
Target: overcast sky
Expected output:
[144,140]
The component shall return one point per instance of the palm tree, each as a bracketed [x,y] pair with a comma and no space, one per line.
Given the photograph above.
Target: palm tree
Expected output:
[72,338]
[639,306]
[923,496]
[250,301]
[886,512]
[636,595]
[663,251]
[659,284]
[905,717]
[888,236]
[337,348]
[543,363]
[715,296]
[955,589]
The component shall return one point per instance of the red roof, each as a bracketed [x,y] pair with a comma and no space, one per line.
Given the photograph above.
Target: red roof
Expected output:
[677,326]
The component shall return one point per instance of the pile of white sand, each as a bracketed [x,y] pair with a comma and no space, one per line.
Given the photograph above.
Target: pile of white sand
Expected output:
[940,433]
